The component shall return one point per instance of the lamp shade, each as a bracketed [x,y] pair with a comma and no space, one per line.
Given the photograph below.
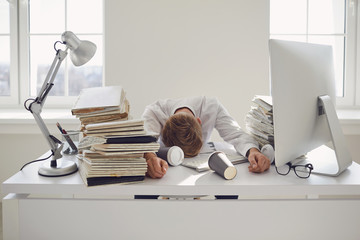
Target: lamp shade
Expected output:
[80,51]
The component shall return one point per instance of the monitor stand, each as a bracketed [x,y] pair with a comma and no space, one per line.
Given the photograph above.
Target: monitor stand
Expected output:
[325,160]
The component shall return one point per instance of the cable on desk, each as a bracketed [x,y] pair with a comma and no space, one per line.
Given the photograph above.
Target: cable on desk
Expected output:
[38,160]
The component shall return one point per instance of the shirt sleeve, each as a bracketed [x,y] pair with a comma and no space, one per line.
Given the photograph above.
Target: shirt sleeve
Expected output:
[232,133]
[155,116]
[152,124]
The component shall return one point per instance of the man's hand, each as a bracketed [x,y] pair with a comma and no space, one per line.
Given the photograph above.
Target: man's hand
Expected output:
[157,167]
[258,162]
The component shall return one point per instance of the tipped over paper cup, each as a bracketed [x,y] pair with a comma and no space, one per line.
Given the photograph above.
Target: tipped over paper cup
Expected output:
[173,155]
[219,162]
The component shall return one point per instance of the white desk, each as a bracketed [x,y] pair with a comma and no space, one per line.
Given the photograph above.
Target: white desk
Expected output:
[270,206]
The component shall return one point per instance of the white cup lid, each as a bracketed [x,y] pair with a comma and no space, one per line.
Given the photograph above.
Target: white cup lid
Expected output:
[175,156]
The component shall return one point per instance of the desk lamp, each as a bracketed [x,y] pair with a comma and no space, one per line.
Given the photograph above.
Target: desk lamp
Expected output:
[80,53]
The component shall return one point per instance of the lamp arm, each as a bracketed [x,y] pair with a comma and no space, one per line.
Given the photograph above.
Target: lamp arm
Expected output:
[50,77]
[36,106]
[52,141]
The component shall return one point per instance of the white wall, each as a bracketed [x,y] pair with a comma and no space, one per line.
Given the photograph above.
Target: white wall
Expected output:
[168,49]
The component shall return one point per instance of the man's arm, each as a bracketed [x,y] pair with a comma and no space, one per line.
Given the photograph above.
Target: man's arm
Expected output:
[153,116]
[232,133]
[157,167]
[245,144]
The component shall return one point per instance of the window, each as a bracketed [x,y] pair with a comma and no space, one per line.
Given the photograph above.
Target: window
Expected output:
[331,22]
[4,49]
[8,50]
[40,24]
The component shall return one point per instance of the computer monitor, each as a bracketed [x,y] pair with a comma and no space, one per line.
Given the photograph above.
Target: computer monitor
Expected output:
[303,95]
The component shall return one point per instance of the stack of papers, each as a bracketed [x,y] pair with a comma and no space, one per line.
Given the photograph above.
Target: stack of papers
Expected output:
[116,128]
[112,148]
[101,104]
[117,158]
[259,120]
[99,169]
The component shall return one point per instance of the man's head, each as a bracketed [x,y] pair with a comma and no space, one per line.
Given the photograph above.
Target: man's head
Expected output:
[183,130]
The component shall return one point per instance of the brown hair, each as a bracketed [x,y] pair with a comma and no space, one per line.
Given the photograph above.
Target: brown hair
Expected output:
[184,131]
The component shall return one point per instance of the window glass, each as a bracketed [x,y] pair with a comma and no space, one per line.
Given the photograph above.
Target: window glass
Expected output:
[4,17]
[85,19]
[4,49]
[85,16]
[288,17]
[4,66]
[326,16]
[47,16]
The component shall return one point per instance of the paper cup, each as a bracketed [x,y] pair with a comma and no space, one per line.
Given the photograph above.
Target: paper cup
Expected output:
[219,162]
[173,155]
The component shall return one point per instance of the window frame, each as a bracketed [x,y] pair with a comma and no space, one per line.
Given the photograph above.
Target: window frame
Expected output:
[20,60]
[349,101]
[351,98]
[357,65]
[13,99]
[19,63]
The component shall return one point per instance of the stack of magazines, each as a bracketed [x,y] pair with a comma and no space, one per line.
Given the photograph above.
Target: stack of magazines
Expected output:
[120,156]
[101,104]
[115,128]
[259,120]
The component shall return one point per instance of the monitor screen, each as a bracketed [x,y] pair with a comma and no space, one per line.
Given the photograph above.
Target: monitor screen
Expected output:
[300,74]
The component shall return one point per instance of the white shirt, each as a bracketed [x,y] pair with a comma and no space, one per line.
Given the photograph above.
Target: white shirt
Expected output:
[212,114]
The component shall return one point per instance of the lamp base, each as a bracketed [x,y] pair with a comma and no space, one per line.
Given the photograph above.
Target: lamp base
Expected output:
[62,168]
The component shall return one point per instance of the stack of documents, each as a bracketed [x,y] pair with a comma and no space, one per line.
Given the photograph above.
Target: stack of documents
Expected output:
[101,104]
[119,158]
[259,120]
[112,148]
[110,168]
[116,128]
